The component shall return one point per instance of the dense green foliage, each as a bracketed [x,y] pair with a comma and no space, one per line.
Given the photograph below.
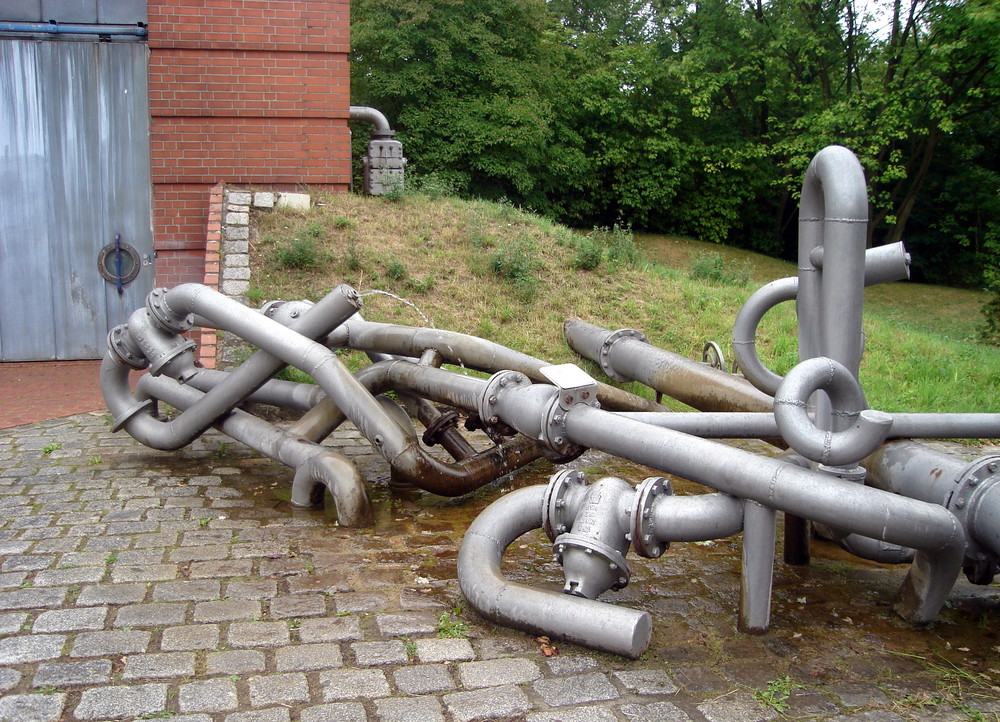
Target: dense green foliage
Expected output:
[700,118]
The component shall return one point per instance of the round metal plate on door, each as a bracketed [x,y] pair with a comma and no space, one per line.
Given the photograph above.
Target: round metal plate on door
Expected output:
[118,262]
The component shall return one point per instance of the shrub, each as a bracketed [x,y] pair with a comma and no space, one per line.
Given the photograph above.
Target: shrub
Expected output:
[396,270]
[710,266]
[622,250]
[588,254]
[300,253]
[517,261]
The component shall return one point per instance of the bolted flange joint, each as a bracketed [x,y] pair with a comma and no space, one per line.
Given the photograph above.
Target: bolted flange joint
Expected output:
[973,502]
[164,315]
[565,491]
[124,348]
[609,342]
[643,534]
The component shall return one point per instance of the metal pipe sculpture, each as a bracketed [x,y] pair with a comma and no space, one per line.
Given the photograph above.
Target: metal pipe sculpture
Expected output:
[896,502]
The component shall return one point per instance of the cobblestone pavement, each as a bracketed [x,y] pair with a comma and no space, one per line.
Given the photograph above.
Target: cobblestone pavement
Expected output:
[136,584]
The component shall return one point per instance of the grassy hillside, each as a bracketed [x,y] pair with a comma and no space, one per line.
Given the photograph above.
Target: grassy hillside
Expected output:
[490,270]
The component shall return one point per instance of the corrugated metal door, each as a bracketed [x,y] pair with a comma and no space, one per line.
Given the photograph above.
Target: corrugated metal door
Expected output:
[74,173]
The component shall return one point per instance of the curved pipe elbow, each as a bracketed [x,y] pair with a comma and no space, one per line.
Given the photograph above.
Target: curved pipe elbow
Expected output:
[597,625]
[745,331]
[835,448]
[331,471]
[371,115]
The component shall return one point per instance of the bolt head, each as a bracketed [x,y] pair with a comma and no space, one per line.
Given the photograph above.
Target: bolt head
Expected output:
[993,466]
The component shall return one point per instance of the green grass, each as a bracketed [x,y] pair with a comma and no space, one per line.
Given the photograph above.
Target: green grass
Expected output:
[491,270]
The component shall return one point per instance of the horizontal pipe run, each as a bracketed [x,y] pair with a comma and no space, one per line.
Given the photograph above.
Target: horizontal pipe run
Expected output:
[606,627]
[698,517]
[466,351]
[276,392]
[54,28]
[690,382]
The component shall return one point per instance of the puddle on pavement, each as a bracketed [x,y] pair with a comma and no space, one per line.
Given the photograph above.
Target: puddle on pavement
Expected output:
[831,620]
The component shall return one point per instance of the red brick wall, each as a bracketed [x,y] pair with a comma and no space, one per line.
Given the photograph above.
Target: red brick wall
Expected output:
[250,92]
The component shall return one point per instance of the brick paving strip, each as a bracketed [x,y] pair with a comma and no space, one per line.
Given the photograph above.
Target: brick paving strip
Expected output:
[136,584]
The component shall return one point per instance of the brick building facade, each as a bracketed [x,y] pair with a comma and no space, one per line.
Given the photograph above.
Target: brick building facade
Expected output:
[254,93]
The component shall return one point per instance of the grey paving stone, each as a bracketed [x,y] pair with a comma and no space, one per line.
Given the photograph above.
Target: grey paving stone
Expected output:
[242,661]
[27,562]
[646,681]
[401,625]
[121,702]
[444,650]
[9,678]
[143,573]
[33,598]
[68,620]
[486,674]
[65,674]
[226,611]
[221,568]
[212,552]
[98,644]
[257,589]
[33,707]
[201,590]
[490,703]
[151,615]
[856,694]
[79,575]
[591,713]
[424,679]
[655,712]
[735,708]
[274,714]
[111,594]
[353,684]
[330,629]
[298,605]
[337,712]
[159,665]
[577,689]
[571,665]
[377,654]
[32,648]
[10,580]
[394,709]
[278,689]
[361,602]
[213,695]
[308,657]
[141,556]
[12,622]
[81,559]
[258,634]
[495,648]
[192,636]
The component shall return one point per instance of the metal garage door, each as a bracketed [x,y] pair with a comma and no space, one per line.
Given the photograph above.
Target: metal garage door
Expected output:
[74,177]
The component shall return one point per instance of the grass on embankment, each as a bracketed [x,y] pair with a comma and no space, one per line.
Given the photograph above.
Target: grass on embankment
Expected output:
[490,270]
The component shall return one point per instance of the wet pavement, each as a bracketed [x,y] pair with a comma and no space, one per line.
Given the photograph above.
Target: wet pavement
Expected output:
[137,584]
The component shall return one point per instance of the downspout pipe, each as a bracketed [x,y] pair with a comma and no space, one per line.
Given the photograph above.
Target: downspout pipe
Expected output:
[606,627]
[467,351]
[317,468]
[377,118]
[626,355]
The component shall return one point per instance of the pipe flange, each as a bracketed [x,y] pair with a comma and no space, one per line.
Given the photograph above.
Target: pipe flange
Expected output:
[128,413]
[445,421]
[557,517]
[159,309]
[169,356]
[605,353]
[643,535]
[615,561]
[554,432]
[977,477]
[124,349]
[498,382]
